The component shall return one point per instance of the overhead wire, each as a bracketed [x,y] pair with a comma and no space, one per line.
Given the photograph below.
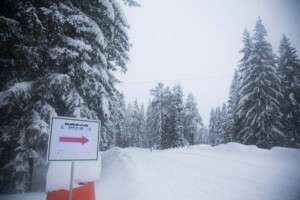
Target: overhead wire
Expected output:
[173,80]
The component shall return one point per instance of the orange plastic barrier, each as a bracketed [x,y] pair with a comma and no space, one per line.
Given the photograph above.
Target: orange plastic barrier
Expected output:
[86,192]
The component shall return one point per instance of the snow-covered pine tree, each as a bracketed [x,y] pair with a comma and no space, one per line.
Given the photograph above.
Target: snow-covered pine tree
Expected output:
[153,124]
[192,121]
[136,125]
[156,115]
[57,58]
[218,125]
[116,125]
[125,139]
[23,127]
[168,119]
[213,126]
[166,108]
[235,121]
[260,95]
[232,106]
[142,120]
[177,101]
[289,72]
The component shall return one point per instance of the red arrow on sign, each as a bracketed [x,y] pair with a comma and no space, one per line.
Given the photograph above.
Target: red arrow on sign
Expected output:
[81,140]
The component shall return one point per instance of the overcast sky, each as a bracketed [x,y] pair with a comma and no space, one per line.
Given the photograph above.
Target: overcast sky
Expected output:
[196,43]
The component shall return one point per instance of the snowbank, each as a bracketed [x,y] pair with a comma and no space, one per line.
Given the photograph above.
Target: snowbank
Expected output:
[232,171]
[237,147]
[225,172]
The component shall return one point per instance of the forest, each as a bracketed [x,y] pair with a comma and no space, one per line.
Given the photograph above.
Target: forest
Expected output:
[264,101]
[58,58]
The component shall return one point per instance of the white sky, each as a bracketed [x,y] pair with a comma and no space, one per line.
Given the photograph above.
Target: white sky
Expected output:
[196,43]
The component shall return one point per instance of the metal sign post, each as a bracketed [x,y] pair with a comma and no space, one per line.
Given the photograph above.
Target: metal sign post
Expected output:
[71,181]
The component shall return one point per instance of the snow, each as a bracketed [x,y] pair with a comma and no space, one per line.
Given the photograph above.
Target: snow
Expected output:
[119,9]
[47,109]
[99,35]
[56,53]
[103,73]
[105,106]
[45,10]
[18,89]
[84,171]
[109,9]
[23,87]
[78,20]
[9,20]
[60,81]
[82,46]
[231,171]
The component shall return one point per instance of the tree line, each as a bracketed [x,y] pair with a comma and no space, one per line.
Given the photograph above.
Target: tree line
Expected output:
[264,101]
[167,122]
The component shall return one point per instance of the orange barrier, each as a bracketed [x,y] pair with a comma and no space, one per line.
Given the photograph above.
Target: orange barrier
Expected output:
[86,192]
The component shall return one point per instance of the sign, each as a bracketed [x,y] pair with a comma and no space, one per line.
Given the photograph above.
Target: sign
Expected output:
[73,139]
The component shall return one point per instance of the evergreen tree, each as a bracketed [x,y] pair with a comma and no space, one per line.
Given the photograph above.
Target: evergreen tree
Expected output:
[153,124]
[117,134]
[136,124]
[260,94]
[167,110]
[158,113]
[289,71]
[168,119]
[192,122]
[204,136]
[218,125]
[177,101]
[56,58]
[232,105]
[235,121]
[142,119]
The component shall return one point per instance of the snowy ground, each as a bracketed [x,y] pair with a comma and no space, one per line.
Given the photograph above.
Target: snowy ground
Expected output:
[231,171]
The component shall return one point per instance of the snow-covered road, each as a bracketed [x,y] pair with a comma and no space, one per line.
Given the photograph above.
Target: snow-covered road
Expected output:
[232,171]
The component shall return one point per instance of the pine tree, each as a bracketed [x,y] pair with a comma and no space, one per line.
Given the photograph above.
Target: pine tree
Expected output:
[235,121]
[260,95]
[153,124]
[232,106]
[142,120]
[136,127]
[158,105]
[192,121]
[167,110]
[213,126]
[168,119]
[177,101]
[56,58]
[289,72]
[218,125]
[116,125]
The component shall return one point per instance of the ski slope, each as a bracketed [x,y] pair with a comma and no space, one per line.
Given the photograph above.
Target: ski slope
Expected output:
[232,171]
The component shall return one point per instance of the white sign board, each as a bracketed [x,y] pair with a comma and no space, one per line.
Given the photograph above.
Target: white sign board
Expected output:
[73,139]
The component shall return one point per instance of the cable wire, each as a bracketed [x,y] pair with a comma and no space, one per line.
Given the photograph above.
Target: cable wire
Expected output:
[173,80]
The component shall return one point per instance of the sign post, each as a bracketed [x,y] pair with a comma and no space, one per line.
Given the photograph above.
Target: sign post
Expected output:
[71,181]
[73,140]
